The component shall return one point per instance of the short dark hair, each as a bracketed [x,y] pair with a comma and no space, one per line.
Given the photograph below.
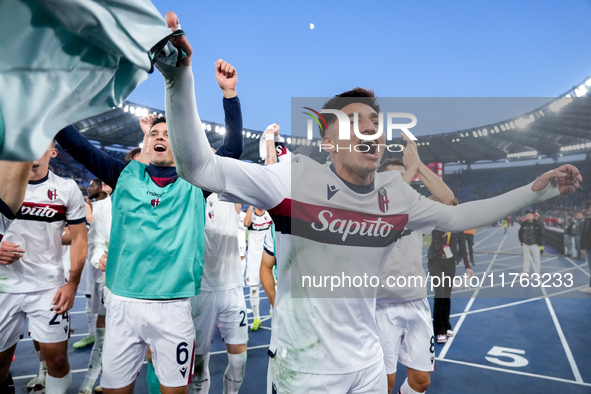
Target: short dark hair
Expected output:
[529,211]
[357,95]
[390,162]
[129,156]
[159,119]
[96,180]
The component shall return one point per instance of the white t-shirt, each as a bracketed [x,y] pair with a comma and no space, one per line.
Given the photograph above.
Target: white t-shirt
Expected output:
[49,203]
[221,268]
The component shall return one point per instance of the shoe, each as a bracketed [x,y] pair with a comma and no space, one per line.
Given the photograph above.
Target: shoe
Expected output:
[89,340]
[85,390]
[586,290]
[32,382]
[449,333]
[98,389]
[37,384]
[441,338]
[255,324]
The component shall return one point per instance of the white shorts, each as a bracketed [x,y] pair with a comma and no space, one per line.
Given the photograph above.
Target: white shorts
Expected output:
[133,325]
[370,380]
[45,326]
[253,272]
[227,309]
[406,335]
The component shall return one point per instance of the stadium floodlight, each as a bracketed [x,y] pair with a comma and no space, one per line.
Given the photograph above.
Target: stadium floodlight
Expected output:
[485,131]
[503,127]
[132,109]
[581,91]
[222,130]
[289,140]
[248,134]
[126,109]
[480,133]
[496,129]
[208,127]
[475,134]
[141,145]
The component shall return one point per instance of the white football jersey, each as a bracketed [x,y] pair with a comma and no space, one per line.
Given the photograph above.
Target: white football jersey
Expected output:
[403,277]
[49,203]
[259,227]
[221,268]
[327,227]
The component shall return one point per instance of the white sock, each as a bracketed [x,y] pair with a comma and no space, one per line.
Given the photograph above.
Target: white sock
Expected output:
[201,379]
[58,385]
[234,373]
[92,323]
[42,372]
[95,362]
[254,301]
[405,389]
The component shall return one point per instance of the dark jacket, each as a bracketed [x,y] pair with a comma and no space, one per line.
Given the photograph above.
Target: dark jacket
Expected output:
[533,230]
[438,239]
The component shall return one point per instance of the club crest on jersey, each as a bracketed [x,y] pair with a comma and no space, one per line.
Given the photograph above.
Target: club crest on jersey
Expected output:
[210,214]
[52,194]
[383,200]
[155,202]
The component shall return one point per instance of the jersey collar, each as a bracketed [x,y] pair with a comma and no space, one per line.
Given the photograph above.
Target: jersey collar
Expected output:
[361,189]
[38,181]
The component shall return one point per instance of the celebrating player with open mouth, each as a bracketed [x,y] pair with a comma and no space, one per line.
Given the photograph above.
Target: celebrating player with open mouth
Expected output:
[320,342]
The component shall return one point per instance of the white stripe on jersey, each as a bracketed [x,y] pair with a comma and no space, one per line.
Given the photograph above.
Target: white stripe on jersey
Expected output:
[47,207]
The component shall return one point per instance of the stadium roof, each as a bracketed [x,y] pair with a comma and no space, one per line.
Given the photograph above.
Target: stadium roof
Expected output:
[558,128]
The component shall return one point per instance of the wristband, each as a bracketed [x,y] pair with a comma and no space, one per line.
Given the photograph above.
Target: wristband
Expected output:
[269,137]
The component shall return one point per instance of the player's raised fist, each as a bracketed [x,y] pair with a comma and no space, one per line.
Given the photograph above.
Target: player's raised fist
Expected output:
[146,122]
[272,129]
[179,41]
[227,78]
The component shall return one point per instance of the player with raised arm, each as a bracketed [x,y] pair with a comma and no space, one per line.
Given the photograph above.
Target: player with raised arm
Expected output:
[35,285]
[403,315]
[341,349]
[157,232]
[221,300]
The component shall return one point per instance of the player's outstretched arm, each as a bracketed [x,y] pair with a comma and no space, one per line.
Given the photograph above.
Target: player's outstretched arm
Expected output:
[236,181]
[105,167]
[427,214]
